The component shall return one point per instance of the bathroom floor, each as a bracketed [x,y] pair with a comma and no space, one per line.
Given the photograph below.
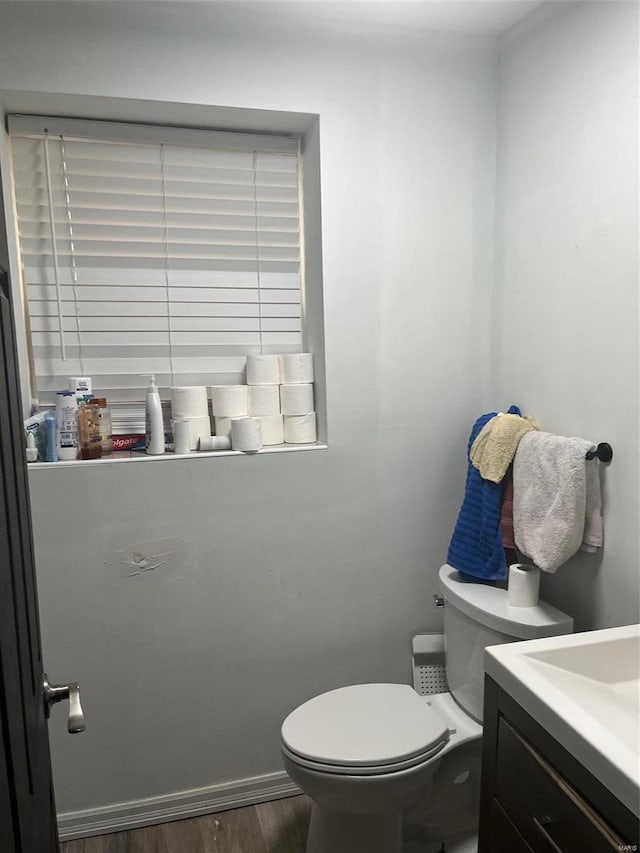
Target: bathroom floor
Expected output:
[276,827]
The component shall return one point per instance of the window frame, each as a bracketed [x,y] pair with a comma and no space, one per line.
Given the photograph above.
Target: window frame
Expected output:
[195,118]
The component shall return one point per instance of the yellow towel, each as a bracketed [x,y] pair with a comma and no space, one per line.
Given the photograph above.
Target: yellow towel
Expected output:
[495,446]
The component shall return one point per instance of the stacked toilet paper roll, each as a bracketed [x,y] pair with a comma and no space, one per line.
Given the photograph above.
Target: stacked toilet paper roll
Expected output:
[284,412]
[263,378]
[189,402]
[296,368]
[300,429]
[264,400]
[299,415]
[296,399]
[230,401]
[223,427]
[272,430]
[246,434]
[263,370]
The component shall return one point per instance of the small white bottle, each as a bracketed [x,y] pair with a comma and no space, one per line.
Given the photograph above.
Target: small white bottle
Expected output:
[32,450]
[67,431]
[154,420]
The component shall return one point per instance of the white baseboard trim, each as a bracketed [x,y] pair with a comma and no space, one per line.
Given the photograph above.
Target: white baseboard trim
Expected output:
[182,804]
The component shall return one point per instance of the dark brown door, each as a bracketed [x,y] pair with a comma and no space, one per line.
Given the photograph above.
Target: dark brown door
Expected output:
[27,810]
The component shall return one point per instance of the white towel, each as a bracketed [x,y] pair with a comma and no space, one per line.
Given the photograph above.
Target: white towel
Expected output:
[550,498]
[593,529]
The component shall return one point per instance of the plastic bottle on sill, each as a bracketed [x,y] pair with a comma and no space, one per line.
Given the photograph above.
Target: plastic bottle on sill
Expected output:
[89,431]
[82,385]
[67,432]
[32,450]
[104,418]
[154,419]
[50,429]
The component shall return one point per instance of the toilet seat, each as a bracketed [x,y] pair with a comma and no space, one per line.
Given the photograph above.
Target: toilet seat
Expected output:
[363,770]
[362,730]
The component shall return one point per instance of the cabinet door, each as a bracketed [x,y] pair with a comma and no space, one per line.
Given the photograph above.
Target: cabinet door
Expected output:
[545,808]
[503,836]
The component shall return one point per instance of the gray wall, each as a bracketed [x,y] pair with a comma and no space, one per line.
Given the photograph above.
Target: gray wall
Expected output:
[565,339]
[285,575]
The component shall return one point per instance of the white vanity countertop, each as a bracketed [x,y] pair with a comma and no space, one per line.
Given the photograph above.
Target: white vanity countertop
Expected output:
[584,689]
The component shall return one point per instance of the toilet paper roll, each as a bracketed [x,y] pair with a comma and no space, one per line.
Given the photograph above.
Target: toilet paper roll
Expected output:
[246,434]
[263,370]
[223,427]
[296,368]
[230,401]
[296,399]
[198,427]
[181,436]
[300,429]
[272,429]
[264,400]
[189,402]
[523,588]
[214,442]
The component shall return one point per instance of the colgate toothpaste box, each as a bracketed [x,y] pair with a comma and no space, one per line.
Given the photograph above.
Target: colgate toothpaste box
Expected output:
[128,442]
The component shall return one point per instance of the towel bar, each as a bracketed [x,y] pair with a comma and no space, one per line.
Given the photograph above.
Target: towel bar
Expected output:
[603,452]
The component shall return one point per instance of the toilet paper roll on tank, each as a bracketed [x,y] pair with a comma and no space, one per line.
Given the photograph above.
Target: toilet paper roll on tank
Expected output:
[523,587]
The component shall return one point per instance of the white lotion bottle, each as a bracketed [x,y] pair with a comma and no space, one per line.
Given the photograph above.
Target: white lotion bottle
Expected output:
[154,420]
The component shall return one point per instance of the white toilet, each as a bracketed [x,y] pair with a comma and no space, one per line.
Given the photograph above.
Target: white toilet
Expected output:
[365,753]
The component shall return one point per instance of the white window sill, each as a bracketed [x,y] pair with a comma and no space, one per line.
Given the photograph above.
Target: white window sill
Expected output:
[141,456]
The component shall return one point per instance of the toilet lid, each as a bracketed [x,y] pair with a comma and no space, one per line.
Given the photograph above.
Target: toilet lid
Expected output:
[366,724]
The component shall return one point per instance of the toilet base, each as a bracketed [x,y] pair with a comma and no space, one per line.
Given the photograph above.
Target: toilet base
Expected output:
[342,832]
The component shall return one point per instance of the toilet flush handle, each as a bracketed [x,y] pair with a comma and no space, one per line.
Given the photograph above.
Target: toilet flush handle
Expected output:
[438,600]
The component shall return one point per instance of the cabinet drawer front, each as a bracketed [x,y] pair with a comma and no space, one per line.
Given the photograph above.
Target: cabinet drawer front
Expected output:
[550,814]
[503,836]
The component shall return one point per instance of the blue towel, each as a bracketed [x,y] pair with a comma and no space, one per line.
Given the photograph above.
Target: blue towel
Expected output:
[476,545]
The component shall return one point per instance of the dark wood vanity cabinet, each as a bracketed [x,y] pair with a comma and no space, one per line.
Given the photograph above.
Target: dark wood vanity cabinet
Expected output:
[535,796]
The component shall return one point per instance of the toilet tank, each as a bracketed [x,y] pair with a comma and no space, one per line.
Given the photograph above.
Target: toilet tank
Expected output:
[477,615]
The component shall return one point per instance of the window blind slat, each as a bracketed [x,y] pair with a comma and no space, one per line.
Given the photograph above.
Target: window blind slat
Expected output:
[171,258]
[184,264]
[84,234]
[124,249]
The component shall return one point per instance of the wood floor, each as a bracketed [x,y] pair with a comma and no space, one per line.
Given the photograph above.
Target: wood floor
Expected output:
[276,827]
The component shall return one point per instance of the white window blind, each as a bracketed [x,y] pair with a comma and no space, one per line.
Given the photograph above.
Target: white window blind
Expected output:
[166,258]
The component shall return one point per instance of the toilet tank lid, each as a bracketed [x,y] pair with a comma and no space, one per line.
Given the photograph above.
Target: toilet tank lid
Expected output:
[487,604]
